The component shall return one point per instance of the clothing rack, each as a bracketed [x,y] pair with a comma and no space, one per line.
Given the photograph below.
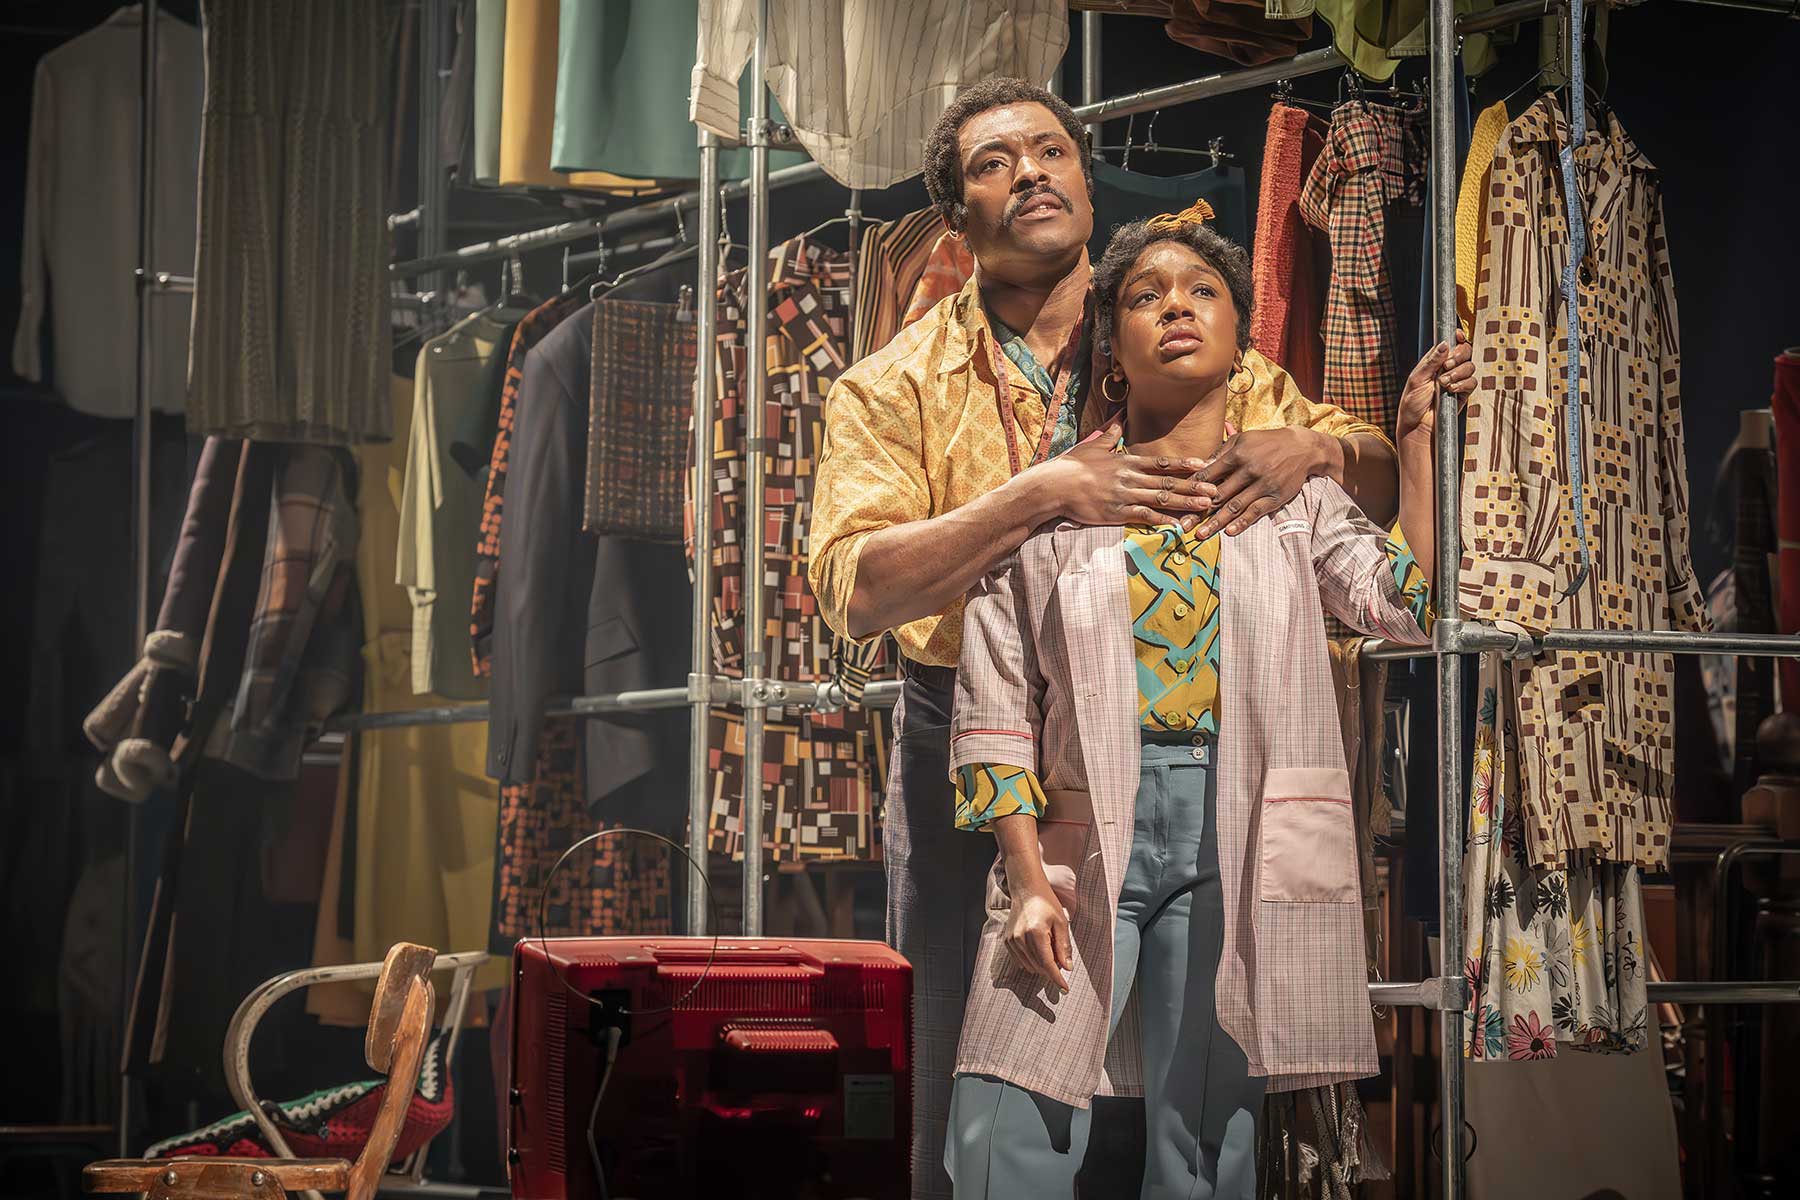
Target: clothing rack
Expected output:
[1452,639]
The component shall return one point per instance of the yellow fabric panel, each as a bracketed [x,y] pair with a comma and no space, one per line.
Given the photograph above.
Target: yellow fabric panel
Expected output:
[528,104]
[1471,205]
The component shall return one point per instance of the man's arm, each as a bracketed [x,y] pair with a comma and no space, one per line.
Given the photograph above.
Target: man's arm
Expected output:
[881,559]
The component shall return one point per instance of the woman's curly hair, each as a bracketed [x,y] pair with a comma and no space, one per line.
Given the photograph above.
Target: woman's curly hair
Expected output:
[1129,243]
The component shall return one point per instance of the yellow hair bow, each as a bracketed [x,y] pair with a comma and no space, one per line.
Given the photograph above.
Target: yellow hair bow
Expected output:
[1197,213]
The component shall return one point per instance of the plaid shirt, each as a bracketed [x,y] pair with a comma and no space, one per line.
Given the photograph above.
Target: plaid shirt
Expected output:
[1374,157]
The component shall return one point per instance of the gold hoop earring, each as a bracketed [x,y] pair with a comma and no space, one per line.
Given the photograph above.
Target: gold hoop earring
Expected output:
[1237,365]
[1108,396]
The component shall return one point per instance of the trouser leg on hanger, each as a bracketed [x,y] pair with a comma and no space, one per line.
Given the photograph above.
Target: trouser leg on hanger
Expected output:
[1200,1101]
[936,881]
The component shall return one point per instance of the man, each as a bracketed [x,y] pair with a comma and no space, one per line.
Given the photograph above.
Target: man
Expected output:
[923,488]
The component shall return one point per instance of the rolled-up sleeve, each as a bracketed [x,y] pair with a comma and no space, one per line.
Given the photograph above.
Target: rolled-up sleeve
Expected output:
[871,476]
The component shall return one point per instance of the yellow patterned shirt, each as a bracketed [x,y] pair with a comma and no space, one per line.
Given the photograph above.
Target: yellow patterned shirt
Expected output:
[913,431]
[1174,586]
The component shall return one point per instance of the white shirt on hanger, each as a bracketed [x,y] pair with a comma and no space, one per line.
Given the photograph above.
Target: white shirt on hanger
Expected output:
[863,81]
[81,215]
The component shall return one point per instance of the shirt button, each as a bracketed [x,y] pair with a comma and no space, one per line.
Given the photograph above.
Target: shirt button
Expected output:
[1181,665]
[1174,719]
[1177,558]
[1181,610]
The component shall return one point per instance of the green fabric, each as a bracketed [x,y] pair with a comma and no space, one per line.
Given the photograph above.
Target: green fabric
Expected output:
[1375,35]
[1068,418]
[1122,196]
[490,48]
[622,93]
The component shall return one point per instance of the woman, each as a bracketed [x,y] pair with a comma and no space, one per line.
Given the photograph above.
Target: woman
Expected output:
[1146,723]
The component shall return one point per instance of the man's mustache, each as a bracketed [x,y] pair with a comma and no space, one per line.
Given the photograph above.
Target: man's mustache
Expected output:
[1023,198]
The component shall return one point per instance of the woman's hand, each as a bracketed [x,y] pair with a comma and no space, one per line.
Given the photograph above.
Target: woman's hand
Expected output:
[1037,931]
[1450,367]
[1037,924]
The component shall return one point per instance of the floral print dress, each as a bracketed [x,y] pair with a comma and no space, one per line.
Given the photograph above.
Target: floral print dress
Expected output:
[1555,957]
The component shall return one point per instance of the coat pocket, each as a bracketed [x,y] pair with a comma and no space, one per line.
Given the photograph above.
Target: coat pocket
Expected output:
[1308,842]
[608,639]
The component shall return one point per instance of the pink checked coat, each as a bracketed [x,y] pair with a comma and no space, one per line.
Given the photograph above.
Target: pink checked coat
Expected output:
[1048,682]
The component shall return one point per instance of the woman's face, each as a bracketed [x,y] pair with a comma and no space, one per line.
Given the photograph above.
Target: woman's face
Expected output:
[1174,320]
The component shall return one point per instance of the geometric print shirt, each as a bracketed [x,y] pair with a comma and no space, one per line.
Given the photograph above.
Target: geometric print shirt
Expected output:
[1174,588]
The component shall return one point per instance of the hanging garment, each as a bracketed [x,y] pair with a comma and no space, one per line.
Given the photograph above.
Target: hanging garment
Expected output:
[1236,30]
[290,339]
[948,269]
[1555,954]
[424,810]
[80,244]
[628,605]
[826,768]
[640,412]
[863,84]
[490,59]
[619,108]
[531,329]
[1375,35]
[1594,729]
[1122,196]
[1471,209]
[528,104]
[1373,158]
[1785,401]
[456,119]
[458,380]
[1285,268]
[893,259]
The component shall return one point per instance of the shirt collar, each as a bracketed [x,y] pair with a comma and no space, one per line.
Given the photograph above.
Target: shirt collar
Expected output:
[1544,122]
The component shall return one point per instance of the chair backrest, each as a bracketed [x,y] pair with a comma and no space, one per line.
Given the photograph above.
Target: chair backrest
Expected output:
[399,1021]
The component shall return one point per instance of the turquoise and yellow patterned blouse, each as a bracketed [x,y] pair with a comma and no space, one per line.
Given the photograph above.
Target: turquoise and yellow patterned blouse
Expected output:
[1174,585]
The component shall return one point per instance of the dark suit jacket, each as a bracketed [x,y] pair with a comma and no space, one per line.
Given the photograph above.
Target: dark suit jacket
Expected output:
[583,615]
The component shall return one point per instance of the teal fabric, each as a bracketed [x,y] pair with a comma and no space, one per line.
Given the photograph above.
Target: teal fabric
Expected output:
[1122,196]
[490,51]
[1068,418]
[1201,1104]
[622,92]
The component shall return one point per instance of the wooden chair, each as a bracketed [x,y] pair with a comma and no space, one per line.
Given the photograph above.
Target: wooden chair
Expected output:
[398,1022]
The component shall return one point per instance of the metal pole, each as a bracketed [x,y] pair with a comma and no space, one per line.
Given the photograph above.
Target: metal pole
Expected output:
[755,470]
[700,671]
[1090,67]
[1221,84]
[1449,551]
[140,506]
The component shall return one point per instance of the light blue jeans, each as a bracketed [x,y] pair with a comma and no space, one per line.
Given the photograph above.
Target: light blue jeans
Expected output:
[1201,1103]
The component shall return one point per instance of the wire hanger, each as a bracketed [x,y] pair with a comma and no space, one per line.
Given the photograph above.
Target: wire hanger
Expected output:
[1215,148]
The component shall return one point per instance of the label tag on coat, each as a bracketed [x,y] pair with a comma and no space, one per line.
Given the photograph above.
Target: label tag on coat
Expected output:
[1285,528]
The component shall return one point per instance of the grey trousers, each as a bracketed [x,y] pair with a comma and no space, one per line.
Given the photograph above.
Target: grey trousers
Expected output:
[1201,1103]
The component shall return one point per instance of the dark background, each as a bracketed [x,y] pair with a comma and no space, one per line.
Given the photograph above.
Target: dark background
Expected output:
[1712,97]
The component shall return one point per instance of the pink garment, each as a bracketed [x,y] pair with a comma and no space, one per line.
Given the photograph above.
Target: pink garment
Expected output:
[1048,682]
[1289,284]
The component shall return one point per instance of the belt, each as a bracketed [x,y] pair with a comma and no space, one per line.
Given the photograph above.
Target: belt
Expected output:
[941,680]
[1203,745]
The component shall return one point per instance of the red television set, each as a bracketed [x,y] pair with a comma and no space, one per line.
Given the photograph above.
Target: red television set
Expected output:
[673,1067]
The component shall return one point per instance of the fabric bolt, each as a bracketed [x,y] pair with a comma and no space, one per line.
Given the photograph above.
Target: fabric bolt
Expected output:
[1785,401]
[490,60]
[1286,257]
[528,85]
[619,108]
[893,259]
[825,769]
[1595,730]
[290,331]
[948,269]
[1556,955]
[1038,660]
[1122,196]
[930,398]
[1374,158]
[1471,209]
[424,811]
[458,380]
[1240,32]
[862,85]
[1201,1103]
[531,330]
[640,412]
[80,237]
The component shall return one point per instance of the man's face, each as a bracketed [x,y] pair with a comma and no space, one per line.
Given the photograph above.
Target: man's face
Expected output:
[1023,186]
